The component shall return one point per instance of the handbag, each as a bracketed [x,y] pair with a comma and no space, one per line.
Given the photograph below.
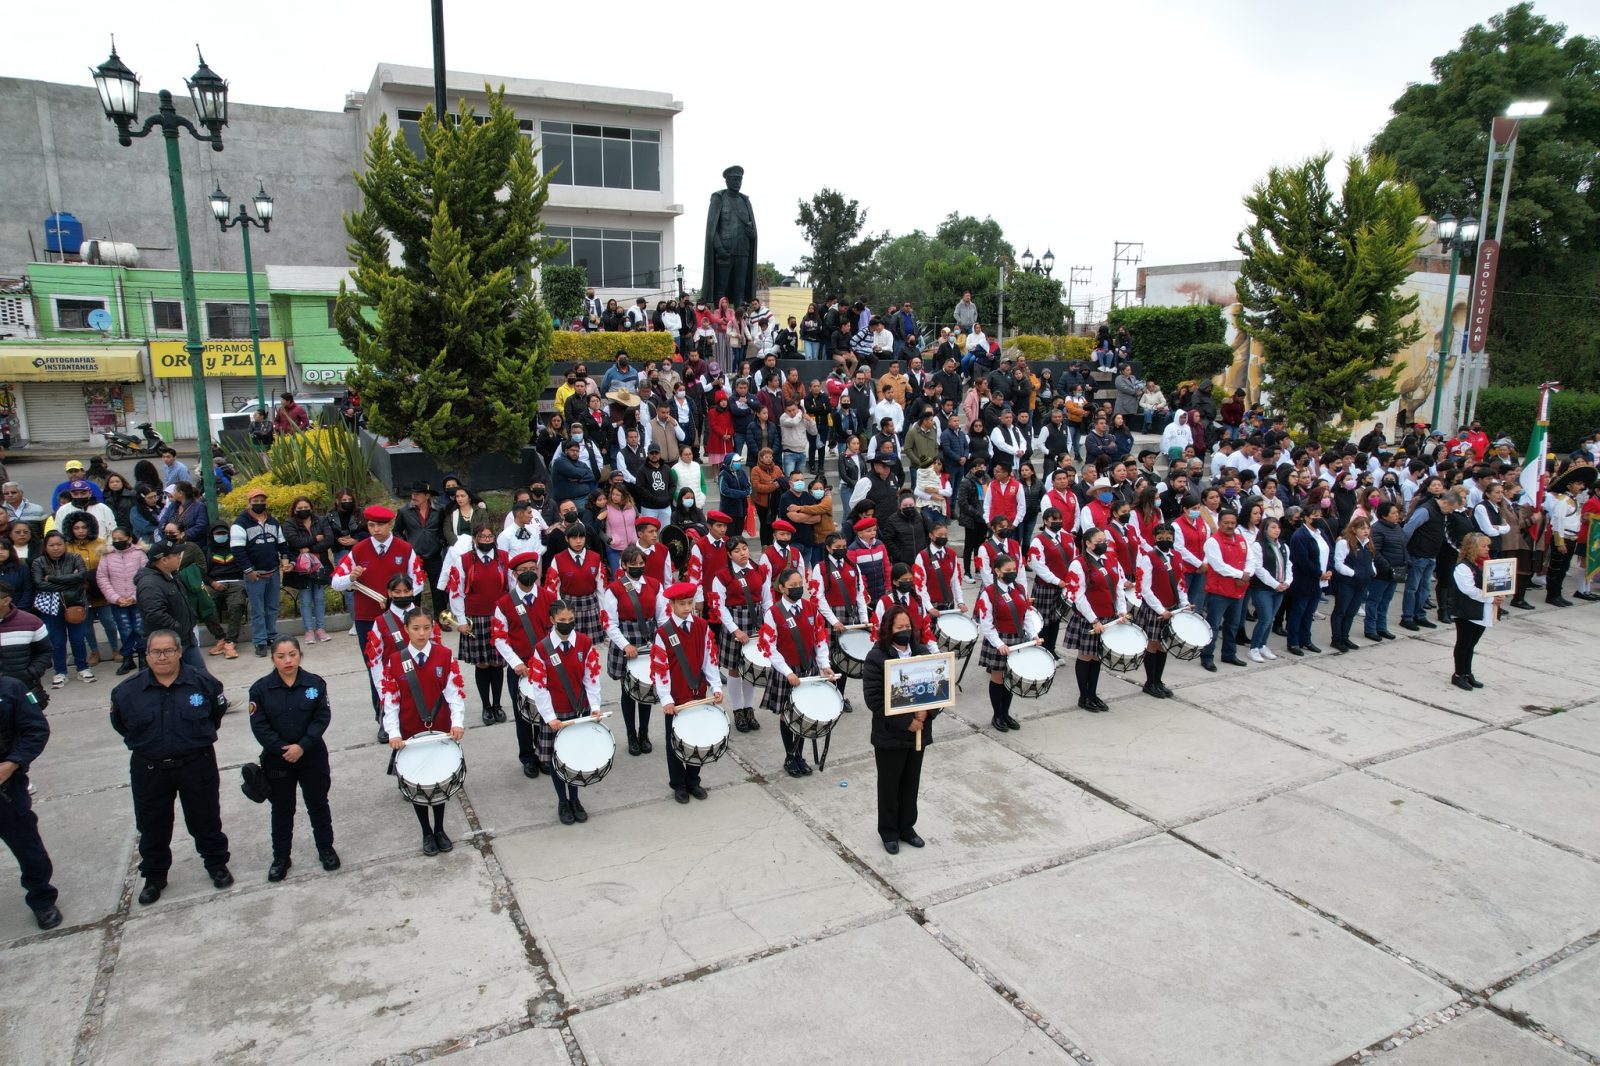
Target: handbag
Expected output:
[75,614]
[48,603]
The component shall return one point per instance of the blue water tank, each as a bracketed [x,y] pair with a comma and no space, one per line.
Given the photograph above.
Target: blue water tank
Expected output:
[63,233]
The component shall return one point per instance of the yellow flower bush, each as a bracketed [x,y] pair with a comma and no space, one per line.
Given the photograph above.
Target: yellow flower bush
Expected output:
[279,497]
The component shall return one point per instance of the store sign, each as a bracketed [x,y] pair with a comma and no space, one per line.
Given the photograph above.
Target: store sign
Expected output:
[223,358]
[36,363]
[324,375]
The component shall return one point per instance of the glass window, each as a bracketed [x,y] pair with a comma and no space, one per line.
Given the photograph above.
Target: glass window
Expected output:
[331,305]
[587,168]
[610,157]
[618,272]
[233,320]
[556,156]
[647,165]
[586,253]
[618,163]
[167,315]
[646,264]
[74,314]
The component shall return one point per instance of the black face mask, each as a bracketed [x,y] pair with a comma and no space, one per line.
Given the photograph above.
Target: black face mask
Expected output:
[635,573]
[902,639]
[537,495]
[1008,577]
[527,579]
[258,508]
[794,595]
[347,506]
[838,555]
[120,545]
[302,514]
[1054,527]
[564,628]
[402,602]
[908,508]
[486,549]
[939,542]
[1164,545]
[902,586]
[569,516]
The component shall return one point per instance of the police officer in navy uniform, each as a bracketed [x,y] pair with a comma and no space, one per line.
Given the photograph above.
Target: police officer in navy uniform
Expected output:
[289,714]
[23,733]
[168,715]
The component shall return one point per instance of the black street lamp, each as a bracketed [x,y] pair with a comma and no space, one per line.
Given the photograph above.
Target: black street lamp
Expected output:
[1042,266]
[1453,237]
[119,96]
[220,207]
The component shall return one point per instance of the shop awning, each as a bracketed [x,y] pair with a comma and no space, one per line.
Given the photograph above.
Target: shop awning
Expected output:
[60,362]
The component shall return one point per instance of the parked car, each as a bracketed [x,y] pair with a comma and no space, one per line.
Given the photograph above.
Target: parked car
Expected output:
[321,406]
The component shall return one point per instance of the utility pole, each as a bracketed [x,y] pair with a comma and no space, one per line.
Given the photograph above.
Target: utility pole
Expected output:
[1078,275]
[1130,253]
[438,61]
[1000,327]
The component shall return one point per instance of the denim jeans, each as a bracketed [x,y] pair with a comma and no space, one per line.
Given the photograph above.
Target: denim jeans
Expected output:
[792,461]
[61,634]
[313,609]
[1224,613]
[1379,595]
[1154,421]
[1195,585]
[264,596]
[130,630]
[1418,581]
[1302,607]
[1266,603]
[813,349]
[1348,594]
[108,623]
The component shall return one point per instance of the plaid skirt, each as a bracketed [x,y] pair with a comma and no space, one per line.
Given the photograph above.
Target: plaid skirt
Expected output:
[1048,601]
[779,692]
[639,634]
[730,650]
[848,615]
[544,739]
[990,658]
[586,610]
[1080,635]
[477,647]
[1150,621]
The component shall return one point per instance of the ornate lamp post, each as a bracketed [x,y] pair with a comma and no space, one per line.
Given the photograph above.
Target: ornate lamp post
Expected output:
[1453,236]
[221,206]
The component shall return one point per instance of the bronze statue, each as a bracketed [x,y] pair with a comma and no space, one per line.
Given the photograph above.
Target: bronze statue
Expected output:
[730,266]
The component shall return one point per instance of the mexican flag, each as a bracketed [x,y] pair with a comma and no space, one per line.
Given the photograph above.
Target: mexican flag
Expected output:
[1535,472]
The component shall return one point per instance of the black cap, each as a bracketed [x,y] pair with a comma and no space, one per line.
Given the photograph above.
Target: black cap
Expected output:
[421,486]
[164,549]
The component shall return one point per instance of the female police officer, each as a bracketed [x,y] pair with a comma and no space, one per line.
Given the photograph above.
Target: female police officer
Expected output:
[288,714]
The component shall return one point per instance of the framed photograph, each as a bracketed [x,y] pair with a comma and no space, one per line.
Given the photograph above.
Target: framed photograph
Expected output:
[919,683]
[1499,577]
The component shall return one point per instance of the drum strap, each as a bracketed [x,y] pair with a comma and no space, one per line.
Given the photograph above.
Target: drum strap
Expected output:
[1104,572]
[559,667]
[527,625]
[804,653]
[1172,577]
[674,635]
[427,713]
[945,594]
[1011,609]
[638,610]
[744,586]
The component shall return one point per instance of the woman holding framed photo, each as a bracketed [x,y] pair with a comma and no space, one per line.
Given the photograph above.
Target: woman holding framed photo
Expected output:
[895,741]
[1476,608]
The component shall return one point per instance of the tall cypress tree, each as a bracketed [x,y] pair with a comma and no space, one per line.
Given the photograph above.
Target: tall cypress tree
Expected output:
[1319,286]
[452,342]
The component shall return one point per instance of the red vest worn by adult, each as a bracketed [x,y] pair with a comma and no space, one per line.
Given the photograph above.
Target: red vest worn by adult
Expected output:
[1234,550]
[432,677]
[1194,534]
[571,577]
[1009,611]
[1003,497]
[1066,503]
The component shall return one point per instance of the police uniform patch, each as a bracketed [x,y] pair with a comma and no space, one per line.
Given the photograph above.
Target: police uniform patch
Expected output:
[196,699]
[312,693]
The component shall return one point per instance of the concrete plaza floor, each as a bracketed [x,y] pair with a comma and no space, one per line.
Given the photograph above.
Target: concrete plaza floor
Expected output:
[1332,859]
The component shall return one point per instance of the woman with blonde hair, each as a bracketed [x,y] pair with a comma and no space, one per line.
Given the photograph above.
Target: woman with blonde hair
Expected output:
[1475,611]
[1353,570]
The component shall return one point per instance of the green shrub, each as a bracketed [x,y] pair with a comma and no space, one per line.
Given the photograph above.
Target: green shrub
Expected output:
[1059,347]
[1512,413]
[1162,337]
[1032,346]
[1201,361]
[1072,347]
[563,288]
[571,347]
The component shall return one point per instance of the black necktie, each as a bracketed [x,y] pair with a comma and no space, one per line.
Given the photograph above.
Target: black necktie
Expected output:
[527,601]
[422,658]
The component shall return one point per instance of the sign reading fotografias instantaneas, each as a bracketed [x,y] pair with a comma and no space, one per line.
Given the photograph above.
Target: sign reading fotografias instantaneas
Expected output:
[224,358]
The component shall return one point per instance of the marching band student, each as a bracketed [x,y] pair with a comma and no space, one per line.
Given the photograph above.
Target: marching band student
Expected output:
[840,595]
[936,571]
[420,680]
[903,590]
[1124,540]
[998,544]
[474,580]
[708,557]
[871,557]
[894,745]
[781,554]
[683,666]
[371,563]
[630,609]
[794,636]
[1049,556]
[657,559]
[520,621]
[1161,595]
[1005,615]
[563,682]
[1097,591]
[387,633]
[576,576]
[740,595]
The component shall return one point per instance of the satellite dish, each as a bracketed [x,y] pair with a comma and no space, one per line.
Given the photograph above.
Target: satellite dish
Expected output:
[100,319]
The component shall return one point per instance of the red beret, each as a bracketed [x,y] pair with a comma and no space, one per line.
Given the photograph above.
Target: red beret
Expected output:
[784,525]
[378,513]
[719,516]
[866,523]
[524,557]
[653,523]
[682,590]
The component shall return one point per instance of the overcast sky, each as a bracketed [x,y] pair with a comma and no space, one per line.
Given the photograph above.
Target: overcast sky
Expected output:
[1074,125]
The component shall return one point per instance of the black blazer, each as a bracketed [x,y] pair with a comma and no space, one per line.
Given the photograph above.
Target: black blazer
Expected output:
[887,731]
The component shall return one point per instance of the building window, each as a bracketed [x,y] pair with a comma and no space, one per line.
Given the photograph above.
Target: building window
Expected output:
[74,314]
[233,320]
[166,315]
[607,157]
[331,305]
[410,123]
[614,258]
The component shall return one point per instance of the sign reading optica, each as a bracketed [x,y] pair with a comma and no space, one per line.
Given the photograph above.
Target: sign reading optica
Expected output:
[224,358]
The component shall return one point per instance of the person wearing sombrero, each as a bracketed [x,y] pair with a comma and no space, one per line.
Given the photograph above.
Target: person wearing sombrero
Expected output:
[1566,525]
[623,416]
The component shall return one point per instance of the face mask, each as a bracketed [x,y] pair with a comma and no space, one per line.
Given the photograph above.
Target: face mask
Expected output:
[1008,577]
[737,463]
[1096,550]
[527,579]
[838,555]
[686,503]
[564,628]
[1104,497]
[537,495]
[1194,514]
[817,494]
[635,573]
[403,602]
[347,506]
[908,507]
[120,545]
[903,585]
[797,487]
[258,508]
[1164,545]
[569,516]
[939,542]
[220,538]
[577,437]
[486,549]
[1230,493]
[902,639]
[794,595]
[679,394]
[302,514]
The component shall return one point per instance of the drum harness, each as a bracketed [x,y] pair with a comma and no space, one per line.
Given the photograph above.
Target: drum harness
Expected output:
[673,634]
[527,632]
[1103,572]
[559,668]
[807,663]
[847,603]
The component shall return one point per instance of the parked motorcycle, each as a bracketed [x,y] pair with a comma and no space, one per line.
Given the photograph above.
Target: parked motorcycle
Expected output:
[128,446]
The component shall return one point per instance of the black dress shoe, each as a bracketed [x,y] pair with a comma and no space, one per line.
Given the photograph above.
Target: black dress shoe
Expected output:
[47,917]
[681,795]
[530,768]
[1386,635]
[1446,619]
[442,842]
[430,846]
[633,746]
[739,722]
[1280,631]
[912,839]
[151,892]
[805,767]
[1408,624]
[1559,601]
[1209,668]
[488,716]
[1294,649]
[1000,723]
[1313,649]
[891,845]
[750,717]
[1153,690]
[1460,681]
[564,812]
[577,810]
[697,792]
[645,745]
[383,735]
[1425,623]
[220,876]
[1521,604]
[1376,638]
[330,859]
[1234,660]
[279,869]
[1012,724]
[1097,705]
[792,768]
[1474,682]
[1586,596]
[1166,693]
[499,714]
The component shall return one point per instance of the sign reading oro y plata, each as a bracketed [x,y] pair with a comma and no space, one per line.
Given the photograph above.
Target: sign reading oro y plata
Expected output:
[224,358]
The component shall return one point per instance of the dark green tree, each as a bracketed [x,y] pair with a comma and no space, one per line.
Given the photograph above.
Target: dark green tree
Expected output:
[768,276]
[452,345]
[944,283]
[838,261]
[563,288]
[1543,322]
[984,238]
[896,270]
[1319,285]
[1033,305]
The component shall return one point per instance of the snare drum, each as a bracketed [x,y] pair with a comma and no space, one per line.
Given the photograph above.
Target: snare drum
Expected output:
[430,769]
[848,651]
[1186,636]
[524,707]
[753,666]
[955,632]
[814,708]
[584,752]
[700,734]
[1122,646]
[636,680]
[1030,671]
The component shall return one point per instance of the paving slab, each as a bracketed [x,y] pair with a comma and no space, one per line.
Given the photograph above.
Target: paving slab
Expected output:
[89,839]
[424,951]
[1564,999]
[1545,645]
[1480,1038]
[1579,728]
[1535,785]
[47,989]
[531,1047]
[983,809]
[1472,900]
[1338,717]
[1420,670]
[1156,954]
[827,1001]
[1167,758]
[667,888]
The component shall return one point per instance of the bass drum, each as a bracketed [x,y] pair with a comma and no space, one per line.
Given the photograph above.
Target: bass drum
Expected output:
[677,542]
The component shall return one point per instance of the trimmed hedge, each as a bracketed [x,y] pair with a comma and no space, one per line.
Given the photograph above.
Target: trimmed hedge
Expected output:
[279,497]
[1059,347]
[1207,360]
[1163,339]
[1512,412]
[571,347]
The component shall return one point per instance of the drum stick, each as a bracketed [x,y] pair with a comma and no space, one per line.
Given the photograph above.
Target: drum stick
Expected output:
[430,738]
[696,703]
[372,593]
[862,625]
